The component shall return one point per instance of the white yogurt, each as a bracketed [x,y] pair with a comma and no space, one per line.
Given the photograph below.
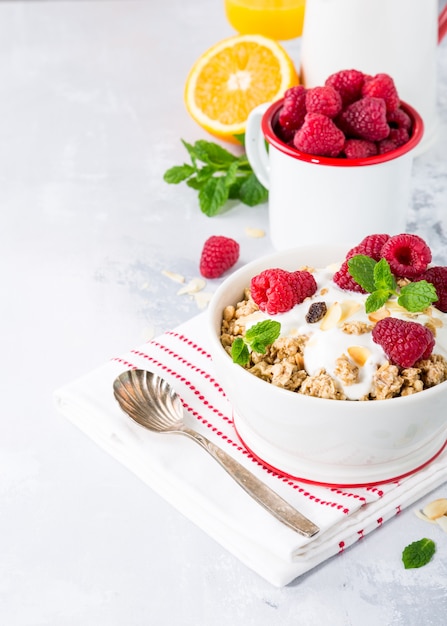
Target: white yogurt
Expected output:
[326,345]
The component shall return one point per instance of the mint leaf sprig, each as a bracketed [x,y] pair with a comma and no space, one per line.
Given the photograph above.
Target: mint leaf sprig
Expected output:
[218,176]
[418,553]
[377,279]
[257,338]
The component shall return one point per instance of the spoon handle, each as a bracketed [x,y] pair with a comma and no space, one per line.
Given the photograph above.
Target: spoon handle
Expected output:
[265,496]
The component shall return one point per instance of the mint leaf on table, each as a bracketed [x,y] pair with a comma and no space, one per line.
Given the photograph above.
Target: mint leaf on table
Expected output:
[213,194]
[251,192]
[377,279]
[418,553]
[210,153]
[257,338]
[179,173]
[218,176]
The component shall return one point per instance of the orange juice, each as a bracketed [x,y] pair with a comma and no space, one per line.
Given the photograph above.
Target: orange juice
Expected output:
[278,19]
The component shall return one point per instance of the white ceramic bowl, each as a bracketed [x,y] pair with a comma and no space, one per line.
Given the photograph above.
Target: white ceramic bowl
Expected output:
[335,442]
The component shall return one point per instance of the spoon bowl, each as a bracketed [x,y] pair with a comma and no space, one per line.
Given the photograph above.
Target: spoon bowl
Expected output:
[151,402]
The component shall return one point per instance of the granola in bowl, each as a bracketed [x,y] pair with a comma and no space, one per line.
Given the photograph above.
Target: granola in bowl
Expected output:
[327,346]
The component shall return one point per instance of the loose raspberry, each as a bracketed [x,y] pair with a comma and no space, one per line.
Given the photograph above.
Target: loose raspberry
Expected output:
[274,291]
[359,148]
[408,255]
[344,280]
[365,119]
[382,86]
[293,110]
[404,343]
[305,285]
[218,255]
[320,136]
[348,83]
[325,100]
[371,245]
[437,275]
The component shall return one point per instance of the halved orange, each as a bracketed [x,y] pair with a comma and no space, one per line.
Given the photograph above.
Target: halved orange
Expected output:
[232,77]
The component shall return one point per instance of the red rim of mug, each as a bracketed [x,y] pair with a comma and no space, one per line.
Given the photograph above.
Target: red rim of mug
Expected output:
[270,117]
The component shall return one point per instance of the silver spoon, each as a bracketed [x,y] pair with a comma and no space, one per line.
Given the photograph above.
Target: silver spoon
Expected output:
[152,402]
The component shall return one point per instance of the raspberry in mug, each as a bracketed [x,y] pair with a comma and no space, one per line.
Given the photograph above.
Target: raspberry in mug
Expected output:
[353,115]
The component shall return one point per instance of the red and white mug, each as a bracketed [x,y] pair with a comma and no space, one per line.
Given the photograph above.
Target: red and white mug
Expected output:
[314,199]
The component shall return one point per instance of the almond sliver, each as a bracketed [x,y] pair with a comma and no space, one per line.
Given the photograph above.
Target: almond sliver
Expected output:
[359,354]
[255,233]
[178,278]
[349,307]
[423,517]
[194,285]
[378,315]
[332,317]
[436,322]
[435,509]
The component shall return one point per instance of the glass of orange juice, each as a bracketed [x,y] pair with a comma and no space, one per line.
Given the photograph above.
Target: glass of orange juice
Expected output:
[278,19]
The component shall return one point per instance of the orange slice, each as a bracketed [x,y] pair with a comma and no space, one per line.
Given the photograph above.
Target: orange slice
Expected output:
[232,78]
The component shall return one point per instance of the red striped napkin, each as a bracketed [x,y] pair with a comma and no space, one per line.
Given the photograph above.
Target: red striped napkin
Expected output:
[187,477]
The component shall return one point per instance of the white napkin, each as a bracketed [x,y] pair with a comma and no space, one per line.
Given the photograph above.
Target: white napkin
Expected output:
[187,477]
